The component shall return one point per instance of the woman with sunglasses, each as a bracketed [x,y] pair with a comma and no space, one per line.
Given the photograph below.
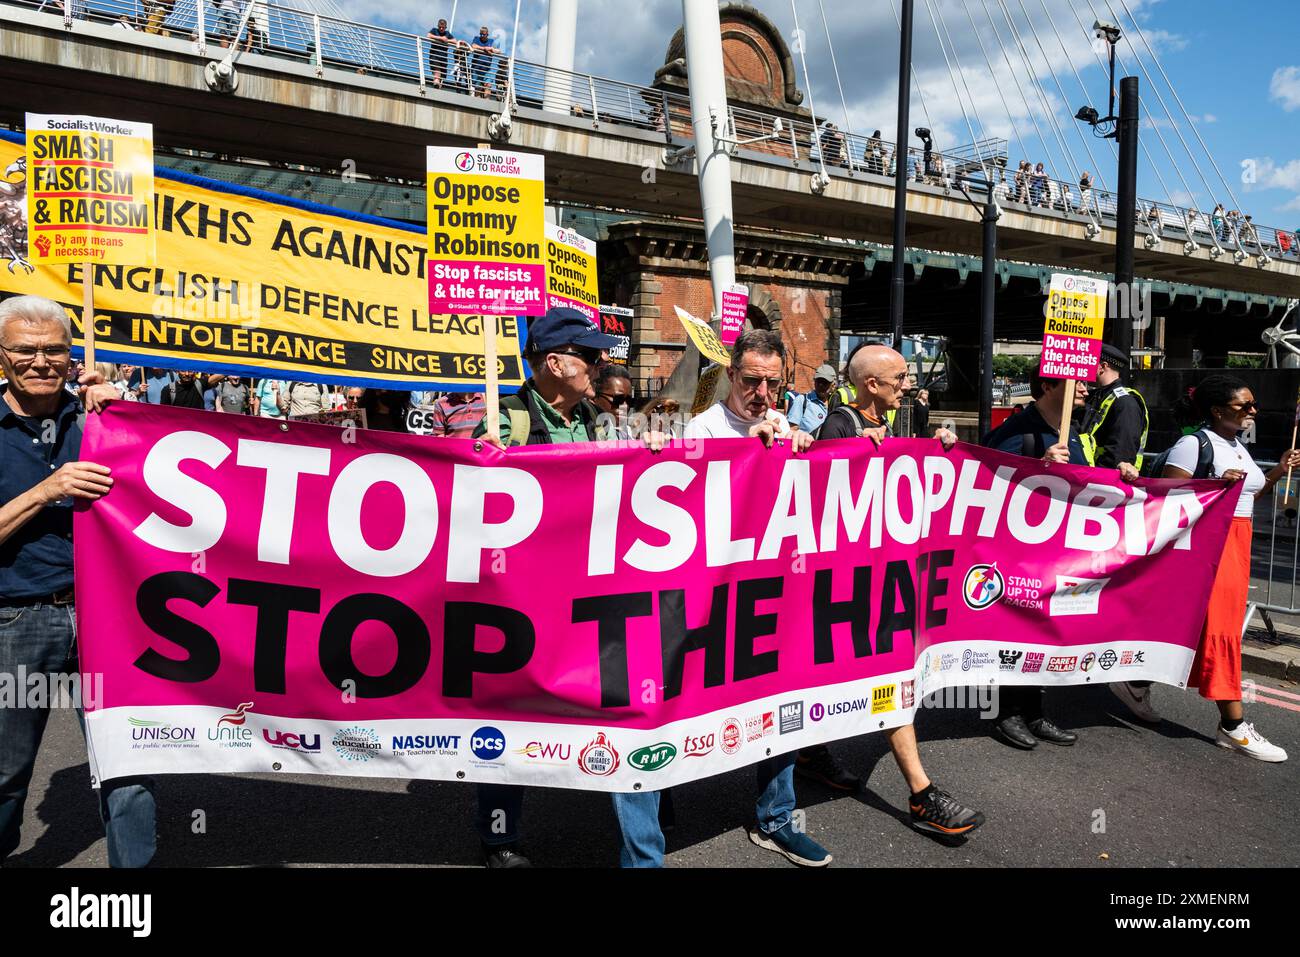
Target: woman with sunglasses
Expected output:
[613,396]
[1227,407]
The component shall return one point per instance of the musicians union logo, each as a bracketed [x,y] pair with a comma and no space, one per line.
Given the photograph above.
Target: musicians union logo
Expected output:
[982,587]
[464,162]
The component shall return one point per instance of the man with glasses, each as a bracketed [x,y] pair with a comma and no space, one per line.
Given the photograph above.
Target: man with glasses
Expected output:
[880,377]
[554,407]
[40,478]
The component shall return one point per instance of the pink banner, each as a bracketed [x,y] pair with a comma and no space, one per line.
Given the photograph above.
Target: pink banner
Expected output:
[262,596]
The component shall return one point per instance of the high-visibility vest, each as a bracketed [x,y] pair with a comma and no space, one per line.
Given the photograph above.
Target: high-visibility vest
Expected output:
[1089,439]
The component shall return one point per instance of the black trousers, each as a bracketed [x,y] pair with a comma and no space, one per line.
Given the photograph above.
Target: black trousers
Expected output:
[1024,701]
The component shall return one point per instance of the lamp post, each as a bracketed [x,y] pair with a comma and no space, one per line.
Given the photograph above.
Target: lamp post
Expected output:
[900,174]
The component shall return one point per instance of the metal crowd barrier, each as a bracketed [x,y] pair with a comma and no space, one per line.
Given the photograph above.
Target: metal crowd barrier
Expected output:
[1279,566]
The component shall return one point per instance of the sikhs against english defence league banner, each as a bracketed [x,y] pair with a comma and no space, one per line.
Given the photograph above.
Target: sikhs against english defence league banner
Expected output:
[250,283]
[597,615]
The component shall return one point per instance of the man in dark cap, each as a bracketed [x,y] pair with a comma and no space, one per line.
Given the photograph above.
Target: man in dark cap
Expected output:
[1115,425]
[809,410]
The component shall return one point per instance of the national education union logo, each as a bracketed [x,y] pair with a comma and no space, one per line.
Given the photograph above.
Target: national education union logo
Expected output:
[464,162]
[982,587]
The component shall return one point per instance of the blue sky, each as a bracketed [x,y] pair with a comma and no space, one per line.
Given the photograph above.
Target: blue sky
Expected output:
[1236,68]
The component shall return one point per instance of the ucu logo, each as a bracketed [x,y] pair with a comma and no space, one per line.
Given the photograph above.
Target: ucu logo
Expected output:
[294,742]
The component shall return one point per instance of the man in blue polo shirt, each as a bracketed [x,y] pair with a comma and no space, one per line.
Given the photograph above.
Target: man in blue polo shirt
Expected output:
[40,477]
[481,62]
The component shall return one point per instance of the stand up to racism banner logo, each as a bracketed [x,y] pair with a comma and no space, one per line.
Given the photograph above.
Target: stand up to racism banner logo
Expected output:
[598,615]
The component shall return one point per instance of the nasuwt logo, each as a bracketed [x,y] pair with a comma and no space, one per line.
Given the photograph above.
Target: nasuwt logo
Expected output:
[464,162]
[982,587]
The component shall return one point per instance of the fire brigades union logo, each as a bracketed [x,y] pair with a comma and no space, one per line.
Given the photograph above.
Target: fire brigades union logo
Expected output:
[598,757]
[982,587]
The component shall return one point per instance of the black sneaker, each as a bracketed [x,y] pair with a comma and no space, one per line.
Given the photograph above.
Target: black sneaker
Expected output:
[504,855]
[937,812]
[818,764]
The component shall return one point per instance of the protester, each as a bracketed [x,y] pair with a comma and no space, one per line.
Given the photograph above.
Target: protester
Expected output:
[352,398]
[130,383]
[485,48]
[232,393]
[386,409]
[266,398]
[1116,420]
[185,392]
[40,476]
[155,381]
[457,414]
[808,411]
[1034,432]
[613,396]
[442,52]
[553,408]
[304,398]
[1227,407]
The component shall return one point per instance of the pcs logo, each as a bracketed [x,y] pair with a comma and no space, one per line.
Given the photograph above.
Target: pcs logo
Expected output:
[982,587]
[488,744]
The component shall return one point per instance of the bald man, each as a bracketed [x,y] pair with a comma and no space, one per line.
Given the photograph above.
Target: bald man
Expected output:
[880,376]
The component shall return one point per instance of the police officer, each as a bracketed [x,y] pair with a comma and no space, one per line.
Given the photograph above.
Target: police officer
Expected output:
[1115,421]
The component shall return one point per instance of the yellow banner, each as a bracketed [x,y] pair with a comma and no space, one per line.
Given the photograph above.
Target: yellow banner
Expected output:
[705,339]
[248,284]
[89,190]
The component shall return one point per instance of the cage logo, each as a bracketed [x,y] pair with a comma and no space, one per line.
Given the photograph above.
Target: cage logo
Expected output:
[882,699]
[598,757]
[817,711]
[652,758]
[1088,661]
[1076,596]
[1008,659]
[1107,659]
[759,726]
[1131,659]
[464,162]
[307,743]
[487,743]
[546,752]
[447,745]
[791,715]
[1062,663]
[356,743]
[697,746]
[982,587]
[731,736]
[908,695]
[1033,662]
[975,660]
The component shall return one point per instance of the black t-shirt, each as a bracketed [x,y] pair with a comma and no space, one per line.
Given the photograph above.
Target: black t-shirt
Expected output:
[183,396]
[846,422]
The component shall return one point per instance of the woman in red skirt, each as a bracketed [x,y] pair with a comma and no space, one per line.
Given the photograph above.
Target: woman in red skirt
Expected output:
[1227,407]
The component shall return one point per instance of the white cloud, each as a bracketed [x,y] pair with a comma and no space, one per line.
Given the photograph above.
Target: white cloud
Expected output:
[1267,174]
[1292,206]
[1285,87]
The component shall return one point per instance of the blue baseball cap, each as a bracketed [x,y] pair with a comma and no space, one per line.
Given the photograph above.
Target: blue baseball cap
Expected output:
[564,326]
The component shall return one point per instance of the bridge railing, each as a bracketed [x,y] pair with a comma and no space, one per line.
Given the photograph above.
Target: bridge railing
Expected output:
[328,42]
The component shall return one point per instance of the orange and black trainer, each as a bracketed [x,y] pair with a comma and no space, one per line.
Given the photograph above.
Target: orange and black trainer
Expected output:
[937,812]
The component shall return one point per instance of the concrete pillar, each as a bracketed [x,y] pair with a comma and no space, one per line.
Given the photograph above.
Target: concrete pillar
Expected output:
[561,38]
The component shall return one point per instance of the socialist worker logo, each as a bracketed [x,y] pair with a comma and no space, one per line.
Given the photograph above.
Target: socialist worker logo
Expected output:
[982,587]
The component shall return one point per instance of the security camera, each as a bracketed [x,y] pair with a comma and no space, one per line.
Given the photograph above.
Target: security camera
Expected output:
[1088,115]
[922,133]
[1111,32]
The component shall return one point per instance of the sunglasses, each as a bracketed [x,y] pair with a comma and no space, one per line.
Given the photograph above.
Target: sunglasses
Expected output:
[615,400]
[753,382]
[589,356]
[1244,406]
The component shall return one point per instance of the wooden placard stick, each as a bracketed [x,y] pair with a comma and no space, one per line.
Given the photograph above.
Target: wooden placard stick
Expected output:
[1067,413]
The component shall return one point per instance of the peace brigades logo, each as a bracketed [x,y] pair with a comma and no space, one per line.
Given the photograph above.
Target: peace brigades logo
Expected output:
[982,587]
[464,162]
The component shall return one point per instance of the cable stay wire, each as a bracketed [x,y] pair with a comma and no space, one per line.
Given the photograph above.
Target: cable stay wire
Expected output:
[1015,128]
[979,121]
[929,6]
[812,110]
[848,128]
[916,78]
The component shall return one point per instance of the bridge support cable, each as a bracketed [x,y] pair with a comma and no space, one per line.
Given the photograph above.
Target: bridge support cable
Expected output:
[820,180]
[952,76]
[1071,163]
[499,125]
[920,92]
[848,127]
[1015,128]
[1156,60]
[1015,76]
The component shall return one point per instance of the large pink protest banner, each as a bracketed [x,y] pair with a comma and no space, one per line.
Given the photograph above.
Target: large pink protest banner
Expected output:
[303,598]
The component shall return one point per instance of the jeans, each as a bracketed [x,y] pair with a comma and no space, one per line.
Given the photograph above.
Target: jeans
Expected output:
[41,639]
[642,843]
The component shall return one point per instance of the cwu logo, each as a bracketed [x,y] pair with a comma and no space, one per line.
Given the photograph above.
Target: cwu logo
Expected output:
[982,586]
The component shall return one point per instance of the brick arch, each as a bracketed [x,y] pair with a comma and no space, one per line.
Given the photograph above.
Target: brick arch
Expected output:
[763,305]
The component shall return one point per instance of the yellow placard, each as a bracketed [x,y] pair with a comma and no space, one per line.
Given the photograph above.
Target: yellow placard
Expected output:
[1075,313]
[571,272]
[705,389]
[487,239]
[248,283]
[705,339]
[89,190]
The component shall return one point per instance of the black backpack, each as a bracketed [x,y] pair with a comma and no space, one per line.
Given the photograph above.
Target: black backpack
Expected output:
[1155,467]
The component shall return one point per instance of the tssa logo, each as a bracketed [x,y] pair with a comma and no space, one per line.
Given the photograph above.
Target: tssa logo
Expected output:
[488,744]
[291,741]
[982,587]
[697,746]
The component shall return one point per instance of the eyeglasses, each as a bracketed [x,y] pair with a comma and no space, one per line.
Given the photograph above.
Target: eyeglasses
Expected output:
[897,381]
[1244,406]
[752,382]
[589,356]
[615,400]
[25,355]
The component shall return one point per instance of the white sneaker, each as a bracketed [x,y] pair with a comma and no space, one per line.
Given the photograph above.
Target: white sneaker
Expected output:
[1137,700]
[1248,741]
